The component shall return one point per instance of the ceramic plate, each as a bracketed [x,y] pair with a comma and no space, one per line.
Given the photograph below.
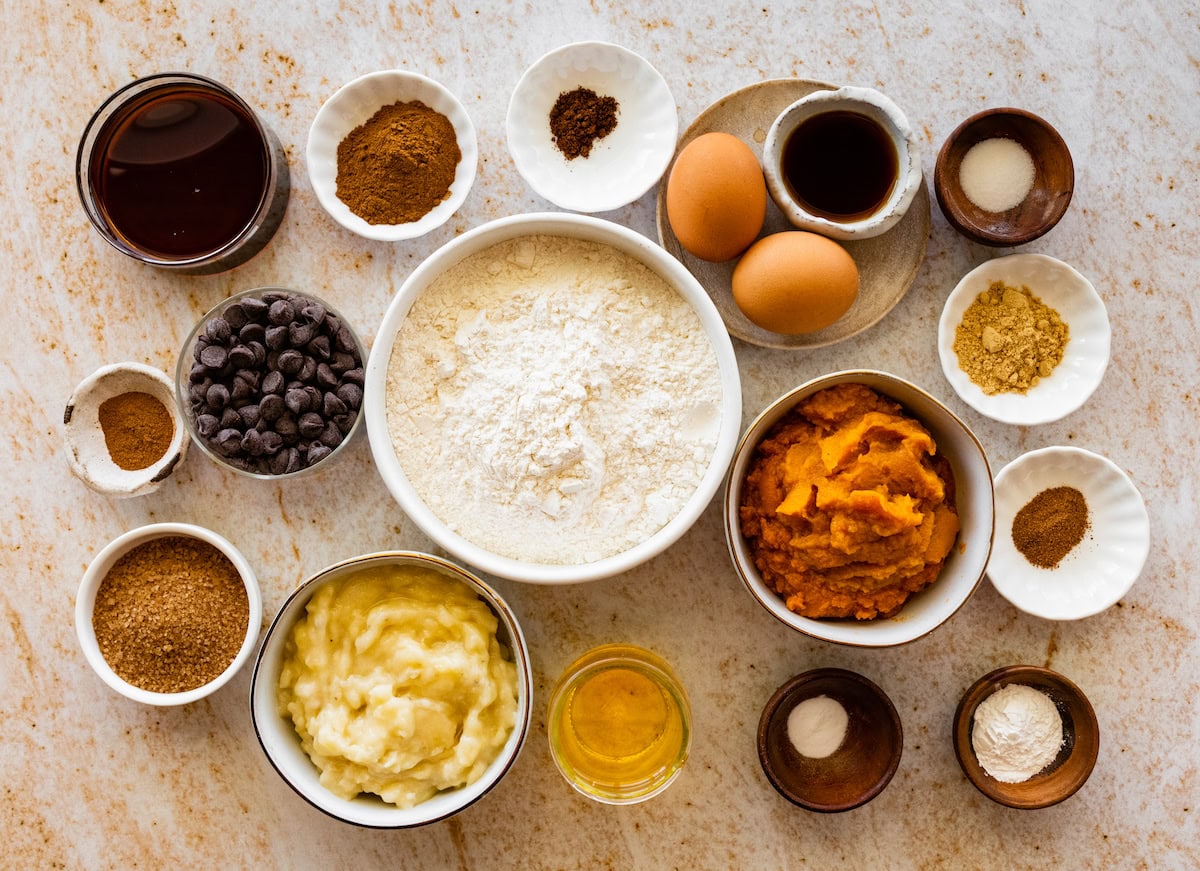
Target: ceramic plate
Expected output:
[887,264]
[624,164]
[1102,567]
[1084,360]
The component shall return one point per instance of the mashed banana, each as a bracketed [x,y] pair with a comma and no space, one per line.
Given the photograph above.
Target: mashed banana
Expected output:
[847,507]
[397,685]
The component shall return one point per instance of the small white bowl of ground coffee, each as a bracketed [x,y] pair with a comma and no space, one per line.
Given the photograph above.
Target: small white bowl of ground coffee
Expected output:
[167,613]
[392,155]
[123,432]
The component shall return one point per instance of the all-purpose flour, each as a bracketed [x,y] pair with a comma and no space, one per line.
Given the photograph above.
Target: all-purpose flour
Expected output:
[553,400]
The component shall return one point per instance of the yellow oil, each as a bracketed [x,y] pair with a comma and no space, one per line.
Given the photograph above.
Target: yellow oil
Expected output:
[619,727]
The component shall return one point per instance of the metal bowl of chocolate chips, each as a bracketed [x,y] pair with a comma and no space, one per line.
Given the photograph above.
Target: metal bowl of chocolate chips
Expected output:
[270,383]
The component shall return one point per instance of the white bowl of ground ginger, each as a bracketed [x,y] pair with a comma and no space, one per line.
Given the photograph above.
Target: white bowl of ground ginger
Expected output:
[168,613]
[1024,339]
[392,690]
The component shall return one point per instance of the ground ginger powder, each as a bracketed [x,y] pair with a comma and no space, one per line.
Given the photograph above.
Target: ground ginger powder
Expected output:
[1008,339]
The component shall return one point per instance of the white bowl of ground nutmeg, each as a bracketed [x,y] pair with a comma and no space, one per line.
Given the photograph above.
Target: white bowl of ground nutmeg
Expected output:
[552,398]
[168,613]
[392,155]
[1024,339]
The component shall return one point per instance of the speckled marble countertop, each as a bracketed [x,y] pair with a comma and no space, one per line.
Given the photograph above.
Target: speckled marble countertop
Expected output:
[92,780]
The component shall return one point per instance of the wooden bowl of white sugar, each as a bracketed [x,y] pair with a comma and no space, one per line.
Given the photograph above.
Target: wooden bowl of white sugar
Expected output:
[552,398]
[1004,177]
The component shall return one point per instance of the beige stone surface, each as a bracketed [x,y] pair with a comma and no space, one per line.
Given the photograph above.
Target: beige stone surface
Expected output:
[92,780]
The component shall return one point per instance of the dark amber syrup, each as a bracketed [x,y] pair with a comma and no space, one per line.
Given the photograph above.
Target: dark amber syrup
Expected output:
[840,165]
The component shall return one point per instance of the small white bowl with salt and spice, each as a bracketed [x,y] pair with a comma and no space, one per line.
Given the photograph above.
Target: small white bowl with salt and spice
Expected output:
[124,433]
[581,91]
[1085,354]
[398,148]
[1068,582]
[168,613]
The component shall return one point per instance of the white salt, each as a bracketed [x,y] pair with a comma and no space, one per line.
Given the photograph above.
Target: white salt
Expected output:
[996,174]
[817,727]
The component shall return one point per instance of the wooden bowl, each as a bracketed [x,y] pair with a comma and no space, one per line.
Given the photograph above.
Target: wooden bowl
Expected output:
[1047,201]
[859,769]
[1075,760]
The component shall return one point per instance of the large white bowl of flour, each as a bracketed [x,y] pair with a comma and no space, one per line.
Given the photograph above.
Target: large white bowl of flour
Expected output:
[552,398]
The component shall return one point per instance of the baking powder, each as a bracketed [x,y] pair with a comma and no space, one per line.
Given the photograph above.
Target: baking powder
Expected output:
[553,400]
[1017,731]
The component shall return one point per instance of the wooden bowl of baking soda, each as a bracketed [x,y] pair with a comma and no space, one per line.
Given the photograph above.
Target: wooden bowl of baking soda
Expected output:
[1004,177]
[1026,737]
[829,740]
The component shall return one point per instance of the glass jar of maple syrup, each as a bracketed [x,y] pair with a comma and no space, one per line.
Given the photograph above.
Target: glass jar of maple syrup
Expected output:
[620,725]
[177,171]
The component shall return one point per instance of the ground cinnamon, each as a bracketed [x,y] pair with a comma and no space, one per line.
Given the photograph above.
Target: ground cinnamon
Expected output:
[579,119]
[137,429]
[1049,526]
[396,167]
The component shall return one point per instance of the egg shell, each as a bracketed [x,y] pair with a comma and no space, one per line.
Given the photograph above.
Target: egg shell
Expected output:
[795,282]
[716,197]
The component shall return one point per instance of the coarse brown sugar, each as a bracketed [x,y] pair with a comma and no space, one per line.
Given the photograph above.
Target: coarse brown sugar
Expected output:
[171,614]
[1009,339]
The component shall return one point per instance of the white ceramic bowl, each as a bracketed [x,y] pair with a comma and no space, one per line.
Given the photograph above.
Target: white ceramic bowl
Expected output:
[99,568]
[1085,357]
[964,568]
[1102,567]
[623,165]
[862,101]
[579,227]
[87,453]
[277,734]
[353,105]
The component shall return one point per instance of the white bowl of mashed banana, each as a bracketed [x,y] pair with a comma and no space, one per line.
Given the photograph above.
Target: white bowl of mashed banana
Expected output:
[552,398]
[392,690]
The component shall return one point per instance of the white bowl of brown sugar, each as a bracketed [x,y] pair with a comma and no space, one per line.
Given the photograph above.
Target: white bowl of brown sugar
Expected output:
[168,613]
[1024,339]
[392,155]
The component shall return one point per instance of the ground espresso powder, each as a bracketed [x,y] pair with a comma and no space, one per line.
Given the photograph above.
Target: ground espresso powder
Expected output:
[579,119]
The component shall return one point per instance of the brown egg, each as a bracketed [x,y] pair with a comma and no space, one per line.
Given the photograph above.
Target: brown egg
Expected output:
[795,282]
[716,197]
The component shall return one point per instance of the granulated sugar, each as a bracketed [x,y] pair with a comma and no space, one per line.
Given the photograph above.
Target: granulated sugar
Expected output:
[553,400]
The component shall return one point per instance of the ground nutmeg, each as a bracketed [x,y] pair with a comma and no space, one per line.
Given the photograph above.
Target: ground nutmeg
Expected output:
[398,165]
[1050,525]
[171,614]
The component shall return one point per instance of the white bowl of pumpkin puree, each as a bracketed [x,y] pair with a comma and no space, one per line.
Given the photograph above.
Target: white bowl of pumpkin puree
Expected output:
[859,510]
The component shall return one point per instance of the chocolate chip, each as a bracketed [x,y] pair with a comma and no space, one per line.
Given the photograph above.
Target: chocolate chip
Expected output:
[351,394]
[217,397]
[317,452]
[252,333]
[319,347]
[198,393]
[300,333]
[345,422]
[345,340]
[331,406]
[273,382]
[230,419]
[242,390]
[281,313]
[288,429]
[331,436]
[229,442]
[197,373]
[207,425]
[241,356]
[273,296]
[341,362]
[235,315]
[272,442]
[308,370]
[255,309]
[290,361]
[326,377]
[271,407]
[252,443]
[214,356]
[277,338]
[280,462]
[355,376]
[297,400]
[250,415]
[218,331]
[260,352]
[311,425]
[314,312]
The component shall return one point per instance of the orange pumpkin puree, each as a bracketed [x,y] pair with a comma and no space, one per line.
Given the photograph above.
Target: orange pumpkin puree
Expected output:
[847,507]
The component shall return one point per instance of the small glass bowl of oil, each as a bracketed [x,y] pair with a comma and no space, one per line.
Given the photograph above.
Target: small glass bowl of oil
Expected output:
[620,724]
